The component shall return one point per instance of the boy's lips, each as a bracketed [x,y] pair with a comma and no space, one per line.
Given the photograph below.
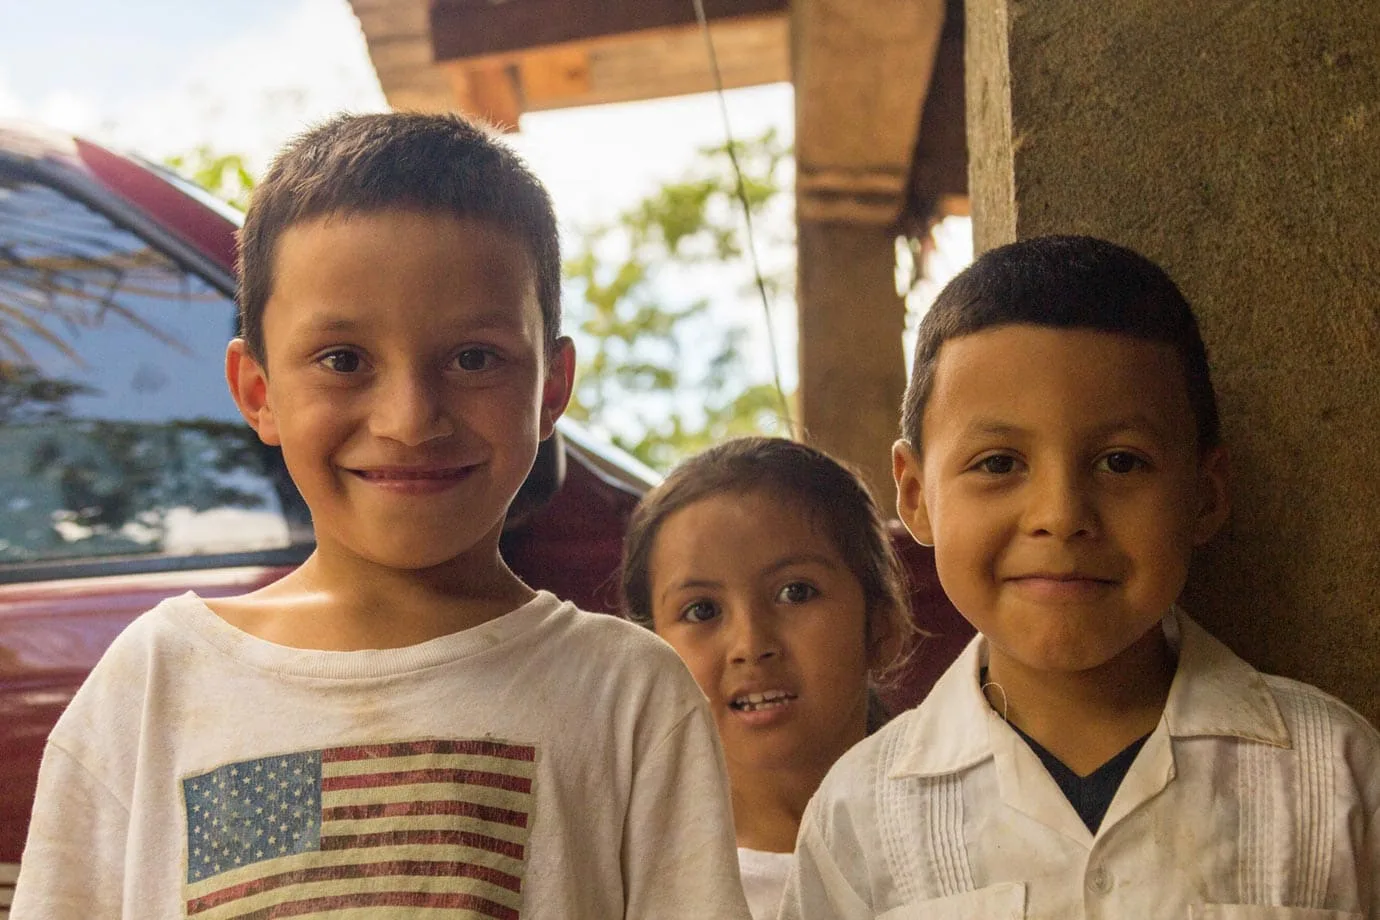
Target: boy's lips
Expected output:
[1061,585]
[414,479]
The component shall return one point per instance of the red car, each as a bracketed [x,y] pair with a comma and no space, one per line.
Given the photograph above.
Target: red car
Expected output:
[126,475]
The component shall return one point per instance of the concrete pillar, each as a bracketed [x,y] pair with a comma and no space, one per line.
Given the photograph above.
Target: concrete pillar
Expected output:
[1236,144]
[861,70]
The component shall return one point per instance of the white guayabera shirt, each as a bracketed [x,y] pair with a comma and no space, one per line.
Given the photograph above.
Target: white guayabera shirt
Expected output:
[1256,797]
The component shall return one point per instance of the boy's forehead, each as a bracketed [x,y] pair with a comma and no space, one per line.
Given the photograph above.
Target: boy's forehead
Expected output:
[329,264]
[1021,373]
[440,221]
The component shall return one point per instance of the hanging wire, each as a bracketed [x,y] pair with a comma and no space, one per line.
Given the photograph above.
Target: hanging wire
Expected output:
[747,211]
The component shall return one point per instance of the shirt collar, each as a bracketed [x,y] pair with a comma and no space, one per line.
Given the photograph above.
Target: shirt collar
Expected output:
[948,732]
[1214,693]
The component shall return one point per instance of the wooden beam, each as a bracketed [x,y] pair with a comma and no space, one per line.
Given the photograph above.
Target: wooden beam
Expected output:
[862,71]
[939,169]
[475,28]
[656,64]
[489,91]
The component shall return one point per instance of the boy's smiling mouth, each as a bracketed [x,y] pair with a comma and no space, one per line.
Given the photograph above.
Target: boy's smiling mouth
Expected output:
[414,479]
[401,473]
[1061,585]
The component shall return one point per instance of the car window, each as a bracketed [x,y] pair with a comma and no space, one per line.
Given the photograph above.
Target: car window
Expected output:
[117,435]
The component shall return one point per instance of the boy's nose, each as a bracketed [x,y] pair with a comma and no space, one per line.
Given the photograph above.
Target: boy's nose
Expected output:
[753,637]
[1061,505]
[410,409]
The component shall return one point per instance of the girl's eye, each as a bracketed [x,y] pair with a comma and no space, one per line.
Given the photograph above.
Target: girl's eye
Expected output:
[1120,462]
[997,464]
[342,362]
[698,612]
[797,592]
[474,359]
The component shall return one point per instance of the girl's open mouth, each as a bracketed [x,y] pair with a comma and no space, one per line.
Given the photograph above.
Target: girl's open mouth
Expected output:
[757,702]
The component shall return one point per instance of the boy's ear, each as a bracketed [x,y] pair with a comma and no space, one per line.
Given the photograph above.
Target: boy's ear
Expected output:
[1213,504]
[559,384]
[249,387]
[910,492]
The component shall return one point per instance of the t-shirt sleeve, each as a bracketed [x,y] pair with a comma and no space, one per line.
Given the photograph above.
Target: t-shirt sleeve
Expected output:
[818,886]
[73,862]
[679,854]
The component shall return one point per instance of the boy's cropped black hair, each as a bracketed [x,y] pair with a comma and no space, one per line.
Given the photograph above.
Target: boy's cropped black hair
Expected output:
[1064,282]
[361,164]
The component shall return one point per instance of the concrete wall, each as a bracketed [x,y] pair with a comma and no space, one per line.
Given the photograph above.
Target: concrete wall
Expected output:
[1238,144]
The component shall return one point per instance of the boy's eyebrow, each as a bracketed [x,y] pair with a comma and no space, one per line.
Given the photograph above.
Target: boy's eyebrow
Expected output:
[987,427]
[1138,421]
[1135,422]
[497,318]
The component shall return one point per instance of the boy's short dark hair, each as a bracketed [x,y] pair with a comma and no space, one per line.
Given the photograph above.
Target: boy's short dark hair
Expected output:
[360,164]
[1064,282]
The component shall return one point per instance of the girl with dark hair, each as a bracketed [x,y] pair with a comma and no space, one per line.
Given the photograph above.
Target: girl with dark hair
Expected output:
[766,565]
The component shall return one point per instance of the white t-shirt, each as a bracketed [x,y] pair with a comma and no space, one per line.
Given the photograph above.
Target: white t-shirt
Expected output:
[547,764]
[764,877]
[1255,797]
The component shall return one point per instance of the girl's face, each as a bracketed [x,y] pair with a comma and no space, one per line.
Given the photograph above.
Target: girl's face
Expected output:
[759,603]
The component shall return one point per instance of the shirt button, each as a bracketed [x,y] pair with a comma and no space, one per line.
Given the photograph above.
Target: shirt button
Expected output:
[1100,880]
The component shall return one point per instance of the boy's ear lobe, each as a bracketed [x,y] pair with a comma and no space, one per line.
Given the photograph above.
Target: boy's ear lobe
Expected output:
[1213,504]
[910,492]
[249,388]
[559,384]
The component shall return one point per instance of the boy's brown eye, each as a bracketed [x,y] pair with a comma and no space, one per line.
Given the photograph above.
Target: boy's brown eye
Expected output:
[997,463]
[344,362]
[1121,462]
[473,359]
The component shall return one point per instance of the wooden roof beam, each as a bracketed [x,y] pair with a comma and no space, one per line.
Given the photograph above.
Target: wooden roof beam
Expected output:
[478,28]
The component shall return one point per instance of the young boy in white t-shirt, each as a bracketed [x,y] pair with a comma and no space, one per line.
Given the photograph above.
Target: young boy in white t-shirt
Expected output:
[400,727]
[1094,752]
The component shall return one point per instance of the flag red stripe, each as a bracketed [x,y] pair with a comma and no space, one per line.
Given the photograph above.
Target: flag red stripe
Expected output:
[385,899]
[408,809]
[407,777]
[411,748]
[414,867]
[423,838]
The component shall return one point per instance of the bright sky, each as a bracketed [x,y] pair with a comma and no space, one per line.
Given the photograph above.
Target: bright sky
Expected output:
[166,76]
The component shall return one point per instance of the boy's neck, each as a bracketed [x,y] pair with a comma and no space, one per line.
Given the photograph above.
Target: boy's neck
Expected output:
[1085,718]
[338,602]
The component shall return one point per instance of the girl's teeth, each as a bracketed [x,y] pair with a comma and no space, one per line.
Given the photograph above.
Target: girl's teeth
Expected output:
[753,702]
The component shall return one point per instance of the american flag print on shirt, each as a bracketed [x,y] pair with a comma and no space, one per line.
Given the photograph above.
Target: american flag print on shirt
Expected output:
[406,829]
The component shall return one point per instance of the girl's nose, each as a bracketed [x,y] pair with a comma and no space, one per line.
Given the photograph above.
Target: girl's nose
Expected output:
[753,637]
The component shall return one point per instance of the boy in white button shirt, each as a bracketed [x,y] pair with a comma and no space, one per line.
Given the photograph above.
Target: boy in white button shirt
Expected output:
[1094,752]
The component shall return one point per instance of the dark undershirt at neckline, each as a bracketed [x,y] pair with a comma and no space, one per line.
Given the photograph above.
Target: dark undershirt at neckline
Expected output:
[1089,795]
